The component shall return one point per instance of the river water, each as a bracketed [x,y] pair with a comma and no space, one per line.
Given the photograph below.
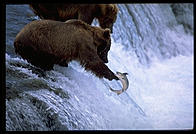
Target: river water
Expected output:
[153,43]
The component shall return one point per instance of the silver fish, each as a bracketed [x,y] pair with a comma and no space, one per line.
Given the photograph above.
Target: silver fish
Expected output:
[125,83]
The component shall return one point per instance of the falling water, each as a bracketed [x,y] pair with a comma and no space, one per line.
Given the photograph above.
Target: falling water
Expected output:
[153,43]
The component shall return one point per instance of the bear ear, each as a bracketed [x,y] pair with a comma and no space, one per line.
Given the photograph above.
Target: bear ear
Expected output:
[106,33]
[113,8]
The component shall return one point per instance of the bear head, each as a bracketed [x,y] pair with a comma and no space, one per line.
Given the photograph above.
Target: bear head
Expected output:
[108,17]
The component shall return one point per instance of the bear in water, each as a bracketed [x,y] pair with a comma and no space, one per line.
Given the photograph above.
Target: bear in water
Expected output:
[105,13]
[44,43]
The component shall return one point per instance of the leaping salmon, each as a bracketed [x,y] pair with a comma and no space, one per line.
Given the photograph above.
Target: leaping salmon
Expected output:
[125,83]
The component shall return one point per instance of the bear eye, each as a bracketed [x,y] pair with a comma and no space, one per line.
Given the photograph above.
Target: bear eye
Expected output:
[107,20]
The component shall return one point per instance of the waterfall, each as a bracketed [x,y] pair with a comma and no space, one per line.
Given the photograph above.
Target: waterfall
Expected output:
[153,43]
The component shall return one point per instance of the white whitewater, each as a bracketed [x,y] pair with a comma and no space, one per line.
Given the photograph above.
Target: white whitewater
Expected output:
[151,45]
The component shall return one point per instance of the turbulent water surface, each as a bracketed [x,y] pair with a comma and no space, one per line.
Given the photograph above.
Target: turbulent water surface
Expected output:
[153,43]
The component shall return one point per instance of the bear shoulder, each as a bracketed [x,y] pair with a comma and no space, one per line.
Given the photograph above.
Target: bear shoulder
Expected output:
[79,23]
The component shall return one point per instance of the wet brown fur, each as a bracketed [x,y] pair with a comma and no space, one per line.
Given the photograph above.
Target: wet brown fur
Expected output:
[46,42]
[105,13]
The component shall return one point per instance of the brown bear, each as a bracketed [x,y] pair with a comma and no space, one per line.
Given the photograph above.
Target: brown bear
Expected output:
[105,13]
[44,43]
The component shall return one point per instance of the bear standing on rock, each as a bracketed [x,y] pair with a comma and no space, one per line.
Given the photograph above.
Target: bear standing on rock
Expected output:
[44,43]
[105,13]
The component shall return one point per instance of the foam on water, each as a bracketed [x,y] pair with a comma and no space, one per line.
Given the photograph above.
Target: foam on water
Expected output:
[160,93]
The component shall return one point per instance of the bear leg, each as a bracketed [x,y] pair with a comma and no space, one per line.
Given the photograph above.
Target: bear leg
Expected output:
[37,58]
[93,63]
[63,63]
[101,70]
